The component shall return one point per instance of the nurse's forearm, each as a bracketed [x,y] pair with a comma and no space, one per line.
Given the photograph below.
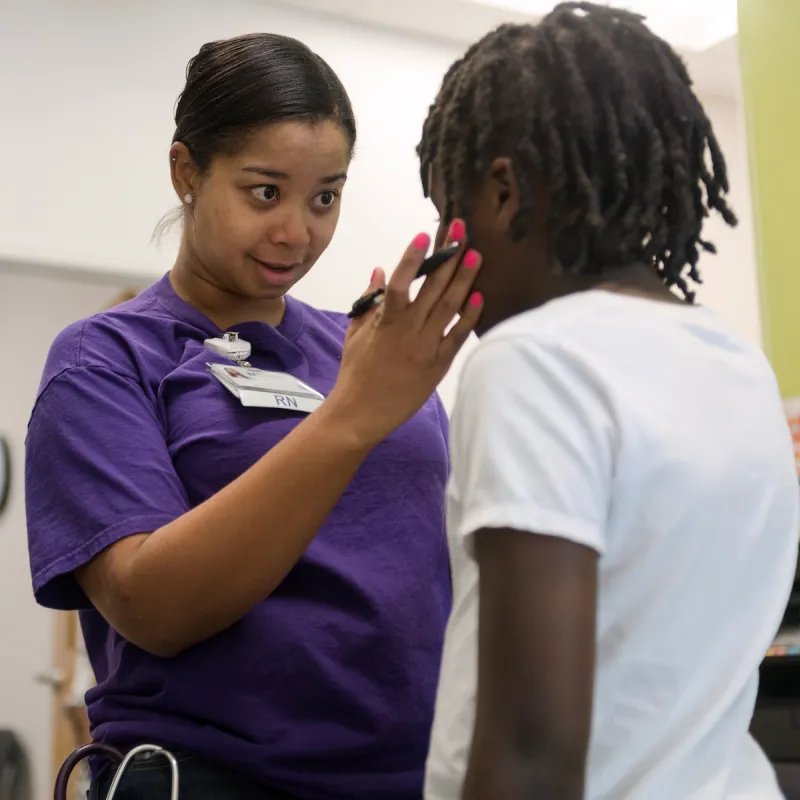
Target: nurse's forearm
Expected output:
[201,573]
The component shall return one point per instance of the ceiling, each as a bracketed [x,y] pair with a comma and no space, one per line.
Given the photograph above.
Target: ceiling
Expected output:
[703,31]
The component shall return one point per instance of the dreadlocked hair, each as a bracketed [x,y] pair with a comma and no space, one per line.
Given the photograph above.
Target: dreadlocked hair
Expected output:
[604,109]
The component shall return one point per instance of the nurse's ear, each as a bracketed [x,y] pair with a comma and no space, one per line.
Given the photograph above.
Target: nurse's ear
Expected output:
[184,173]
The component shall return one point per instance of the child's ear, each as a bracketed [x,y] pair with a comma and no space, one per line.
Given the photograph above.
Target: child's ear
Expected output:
[504,192]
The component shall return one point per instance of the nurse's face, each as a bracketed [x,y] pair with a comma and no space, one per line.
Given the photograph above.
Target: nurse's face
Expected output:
[262,217]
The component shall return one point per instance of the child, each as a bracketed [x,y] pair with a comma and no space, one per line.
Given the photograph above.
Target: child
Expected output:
[623,505]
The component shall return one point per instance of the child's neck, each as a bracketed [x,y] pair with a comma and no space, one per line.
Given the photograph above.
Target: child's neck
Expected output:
[639,280]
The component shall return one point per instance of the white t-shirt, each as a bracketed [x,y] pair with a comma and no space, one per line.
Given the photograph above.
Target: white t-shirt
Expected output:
[655,435]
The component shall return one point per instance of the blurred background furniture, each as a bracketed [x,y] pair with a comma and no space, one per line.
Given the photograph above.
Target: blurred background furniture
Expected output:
[776,720]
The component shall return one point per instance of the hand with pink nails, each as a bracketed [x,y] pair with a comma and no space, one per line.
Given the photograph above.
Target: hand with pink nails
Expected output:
[396,355]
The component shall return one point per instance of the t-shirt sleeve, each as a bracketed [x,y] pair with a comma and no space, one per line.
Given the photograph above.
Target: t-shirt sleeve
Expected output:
[532,444]
[97,470]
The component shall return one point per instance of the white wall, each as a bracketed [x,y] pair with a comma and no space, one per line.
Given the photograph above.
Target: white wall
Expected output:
[88,88]
[38,308]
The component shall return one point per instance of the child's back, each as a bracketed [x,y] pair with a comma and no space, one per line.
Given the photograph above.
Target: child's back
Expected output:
[667,452]
[623,506]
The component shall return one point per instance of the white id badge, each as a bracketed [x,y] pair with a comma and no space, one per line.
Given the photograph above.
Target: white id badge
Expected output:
[261,389]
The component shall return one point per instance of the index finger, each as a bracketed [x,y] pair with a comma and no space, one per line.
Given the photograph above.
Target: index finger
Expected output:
[399,286]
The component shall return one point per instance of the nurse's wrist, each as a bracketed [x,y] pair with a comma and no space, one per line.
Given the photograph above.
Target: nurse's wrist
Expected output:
[346,423]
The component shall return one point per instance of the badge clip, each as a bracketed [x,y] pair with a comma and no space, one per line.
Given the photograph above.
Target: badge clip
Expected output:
[230,346]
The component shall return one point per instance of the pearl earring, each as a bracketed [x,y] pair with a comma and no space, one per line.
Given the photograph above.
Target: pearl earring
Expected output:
[187,198]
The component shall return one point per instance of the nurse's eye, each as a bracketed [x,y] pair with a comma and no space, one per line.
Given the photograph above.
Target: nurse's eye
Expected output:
[266,194]
[326,199]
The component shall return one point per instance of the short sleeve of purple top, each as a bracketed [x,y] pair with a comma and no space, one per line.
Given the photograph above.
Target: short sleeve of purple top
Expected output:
[326,689]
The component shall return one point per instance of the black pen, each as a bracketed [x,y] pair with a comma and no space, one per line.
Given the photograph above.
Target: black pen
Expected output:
[429,265]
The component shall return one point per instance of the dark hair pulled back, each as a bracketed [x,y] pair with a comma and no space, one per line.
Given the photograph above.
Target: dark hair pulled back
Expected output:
[235,86]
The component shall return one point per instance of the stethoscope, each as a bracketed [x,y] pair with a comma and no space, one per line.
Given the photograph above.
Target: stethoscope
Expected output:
[117,757]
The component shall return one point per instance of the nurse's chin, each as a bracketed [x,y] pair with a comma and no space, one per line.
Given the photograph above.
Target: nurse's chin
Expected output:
[279,278]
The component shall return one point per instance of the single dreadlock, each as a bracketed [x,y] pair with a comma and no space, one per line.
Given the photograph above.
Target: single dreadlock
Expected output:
[604,109]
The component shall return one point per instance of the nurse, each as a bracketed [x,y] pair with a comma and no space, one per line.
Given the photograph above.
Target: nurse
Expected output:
[262,591]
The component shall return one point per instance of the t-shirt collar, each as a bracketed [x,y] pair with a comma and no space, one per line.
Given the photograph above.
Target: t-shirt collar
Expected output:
[289,328]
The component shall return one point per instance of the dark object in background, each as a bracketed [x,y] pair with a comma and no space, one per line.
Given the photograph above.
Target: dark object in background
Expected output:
[14,768]
[776,719]
[5,473]
[791,616]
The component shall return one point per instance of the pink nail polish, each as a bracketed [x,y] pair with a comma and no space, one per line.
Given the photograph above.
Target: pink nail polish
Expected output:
[457,230]
[422,241]
[374,274]
[471,259]
[476,300]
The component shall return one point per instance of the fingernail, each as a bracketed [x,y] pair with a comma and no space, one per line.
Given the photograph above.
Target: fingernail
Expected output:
[476,299]
[457,230]
[471,259]
[374,274]
[422,241]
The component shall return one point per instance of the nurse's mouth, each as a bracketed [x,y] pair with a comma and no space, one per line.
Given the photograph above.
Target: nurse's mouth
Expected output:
[278,274]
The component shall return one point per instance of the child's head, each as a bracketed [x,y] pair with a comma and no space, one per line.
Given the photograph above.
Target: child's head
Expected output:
[573,148]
